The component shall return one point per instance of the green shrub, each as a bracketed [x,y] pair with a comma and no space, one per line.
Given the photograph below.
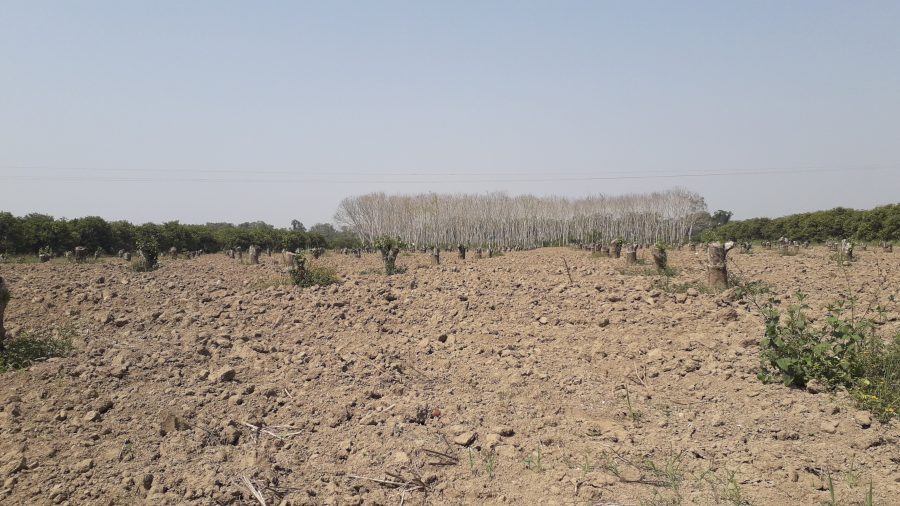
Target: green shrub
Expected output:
[30,347]
[843,352]
[148,247]
[879,390]
[304,276]
[390,248]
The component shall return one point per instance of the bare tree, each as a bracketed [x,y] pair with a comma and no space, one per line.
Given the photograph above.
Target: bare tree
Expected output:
[498,221]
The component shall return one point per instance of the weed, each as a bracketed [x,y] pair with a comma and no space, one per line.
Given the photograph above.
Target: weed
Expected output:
[635,416]
[490,464]
[725,489]
[852,475]
[534,462]
[609,464]
[667,286]
[832,497]
[669,473]
[844,352]
[304,276]
[270,283]
[472,468]
[29,347]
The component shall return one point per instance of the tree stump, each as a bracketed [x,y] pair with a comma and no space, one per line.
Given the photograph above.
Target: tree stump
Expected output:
[847,250]
[253,251]
[631,254]
[4,298]
[126,256]
[462,251]
[80,254]
[436,256]
[717,271]
[288,258]
[43,257]
[887,247]
[616,248]
[660,258]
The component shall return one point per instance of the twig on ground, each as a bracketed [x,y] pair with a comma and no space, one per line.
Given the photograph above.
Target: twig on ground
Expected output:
[567,271]
[256,493]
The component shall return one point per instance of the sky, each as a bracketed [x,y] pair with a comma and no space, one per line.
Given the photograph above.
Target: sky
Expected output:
[242,111]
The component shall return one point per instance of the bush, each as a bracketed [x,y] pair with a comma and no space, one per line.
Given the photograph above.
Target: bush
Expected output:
[148,248]
[30,347]
[844,352]
[390,248]
[304,276]
[879,390]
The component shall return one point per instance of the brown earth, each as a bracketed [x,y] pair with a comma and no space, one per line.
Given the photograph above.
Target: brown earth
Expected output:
[478,382]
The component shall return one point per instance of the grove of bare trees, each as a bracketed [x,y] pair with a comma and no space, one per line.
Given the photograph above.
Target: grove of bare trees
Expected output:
[499,220]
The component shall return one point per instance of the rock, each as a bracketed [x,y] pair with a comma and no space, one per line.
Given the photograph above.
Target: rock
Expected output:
[91,416]
[492,440]
[863,419]
[16,464]
[171,423]
[465,438]
[692,292]
[400,458]
[147,481]
[58,493]
[543,320]
[504,430]
[680,298]
[814,387]
[83,466]
[224,374]
[829,426]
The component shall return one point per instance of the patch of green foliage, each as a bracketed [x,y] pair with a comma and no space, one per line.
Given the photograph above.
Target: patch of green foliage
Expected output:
[877,224]
[390,248]
[843,352]
[29,347]
[25,235]
[304,276]
[148,247]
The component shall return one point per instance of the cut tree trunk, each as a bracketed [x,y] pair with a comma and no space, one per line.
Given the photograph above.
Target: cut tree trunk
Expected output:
[4,298]
[717,270]
[631,254]
[660,258]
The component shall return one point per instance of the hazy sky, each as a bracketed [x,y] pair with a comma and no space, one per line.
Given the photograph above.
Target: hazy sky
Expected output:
[237,111]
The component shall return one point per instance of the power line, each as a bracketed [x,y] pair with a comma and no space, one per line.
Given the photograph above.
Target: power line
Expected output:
[420,177]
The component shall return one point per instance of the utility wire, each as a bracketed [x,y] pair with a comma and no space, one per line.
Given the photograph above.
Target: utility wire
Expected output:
[419,177]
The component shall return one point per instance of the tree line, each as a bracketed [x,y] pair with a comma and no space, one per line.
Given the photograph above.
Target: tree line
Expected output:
[877,224]
[25,235]
[498,220]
